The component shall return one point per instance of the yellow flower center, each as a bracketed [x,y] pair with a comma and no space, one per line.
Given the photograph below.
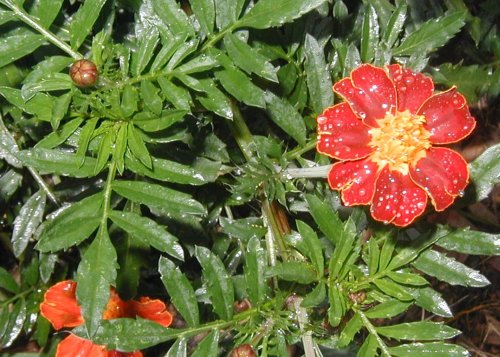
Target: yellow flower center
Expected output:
[399,141]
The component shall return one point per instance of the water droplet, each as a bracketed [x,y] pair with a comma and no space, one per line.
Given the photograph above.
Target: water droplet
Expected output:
[461,193]
[321,120]
[409,79]
[362,192]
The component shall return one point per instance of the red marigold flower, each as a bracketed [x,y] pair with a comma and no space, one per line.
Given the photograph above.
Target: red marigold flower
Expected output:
[384,136]
[60,307]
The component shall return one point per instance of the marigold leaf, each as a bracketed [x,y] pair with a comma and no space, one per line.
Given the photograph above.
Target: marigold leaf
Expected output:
[393,289]
[316,297]
[27,221]
[208,346]
[178,349]
[312,246]
[447,269]
[464,240]
[369,347]
[369,34]
[7,282]
[327,219]
[438,349]
[395,25]
[18,43]
[485,171]
[219,284]
[60,136]
[420,330]
[71,225]
[387,309]
[431,300]
[255,270]
[96,273]
[431,35]
[204,10]
[239,85]
[174,18]
[300,272]
[227,12]
[338,304]
[83,21]
[350,330]
[8,146]
[180,290]
[13,325]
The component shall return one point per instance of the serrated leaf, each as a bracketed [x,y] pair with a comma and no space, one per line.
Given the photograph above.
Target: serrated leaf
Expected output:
[148,41]
[178,349]
[313,246]
[50,82]
[181,53]
[138,147]
[130,335]
[201,171]
[387,309]
[431,35]
[269,13]
[158,196]
[369,34]
[318,77]
[96,273]
[316,297]
[219,284]
[83,21]
[180,290]
[342,251]
[407,278]
[60,108]
[8,146]
[239,85]
[71,225]
[337,302]
[174,18]
[149,94]
[420,330]
[434,349]
[7,282]
[350,330]
[227,12]
[208,346]
[286,117]
[369,347]
[393,289]
[129,99]
[58,137]
[17,44]
[485,171]
[204,10]
[447,269]
[300,272]
[14,324]
[104,151]
[464,240]
[84,140]
[57,161]
[163,121]
[147,231]
[249,59]
[328,221]
[46,11]
[40,105]
[395,25]
[169,47]
[201,63]
[431,300]
[27,221]
[177,95]
[373,256]
[254,271]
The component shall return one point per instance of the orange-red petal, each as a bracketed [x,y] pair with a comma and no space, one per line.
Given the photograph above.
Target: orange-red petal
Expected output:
[59,305]
[116,307]
[356,179]
[369,92]
[447,117]
[342,135]
[443,174]
[397,199]
[413,89]
[74,346]
[151,309]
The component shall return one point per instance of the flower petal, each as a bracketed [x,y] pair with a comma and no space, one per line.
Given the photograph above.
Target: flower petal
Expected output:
[116,307]
[447,117]
[74,346]
[151,309]
[413,89]
[356,179]
[369,92]
[59,305]
[443,173]
[397,199]
[341,134]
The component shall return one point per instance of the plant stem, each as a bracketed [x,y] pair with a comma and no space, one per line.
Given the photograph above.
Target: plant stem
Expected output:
[373,331]
[27,19]
[107,193]
[242,134]
[293,154]
[16,297]
[43,185]
[307,172]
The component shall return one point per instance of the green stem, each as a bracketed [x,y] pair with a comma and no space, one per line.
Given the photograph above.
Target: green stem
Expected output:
[43,185]
[299,150]
[373,331]
[27,19]
[107,193]
[242,134]
[16,297]
[274,230]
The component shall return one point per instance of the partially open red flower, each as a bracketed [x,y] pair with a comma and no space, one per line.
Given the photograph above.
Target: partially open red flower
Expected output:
[60,307]
[384,136]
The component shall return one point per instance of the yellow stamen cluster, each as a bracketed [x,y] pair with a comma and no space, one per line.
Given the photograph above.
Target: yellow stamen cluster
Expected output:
[399,141]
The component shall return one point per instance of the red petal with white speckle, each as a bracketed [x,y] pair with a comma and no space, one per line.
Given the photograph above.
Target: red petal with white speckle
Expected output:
[74,346]
[369,92]
[413,89]
[443,173]
[356,179]
[342,135]
[447,117]
[397,199]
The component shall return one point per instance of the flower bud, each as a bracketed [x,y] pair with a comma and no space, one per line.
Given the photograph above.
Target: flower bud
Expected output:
[245,350]
[83,73]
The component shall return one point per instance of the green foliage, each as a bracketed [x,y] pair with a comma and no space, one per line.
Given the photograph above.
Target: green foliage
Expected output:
[186,173]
